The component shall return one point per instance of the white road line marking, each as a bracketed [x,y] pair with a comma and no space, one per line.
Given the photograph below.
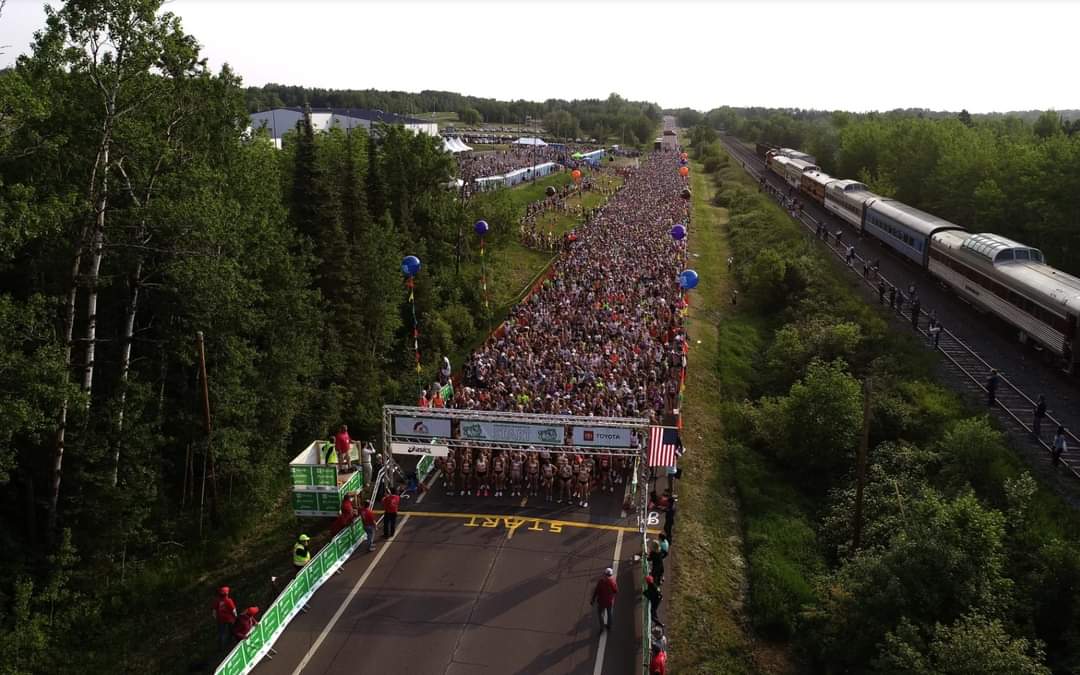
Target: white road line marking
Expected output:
[598,667]
[356,588]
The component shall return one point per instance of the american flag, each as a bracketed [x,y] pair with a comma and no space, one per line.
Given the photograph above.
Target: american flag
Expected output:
[662,444]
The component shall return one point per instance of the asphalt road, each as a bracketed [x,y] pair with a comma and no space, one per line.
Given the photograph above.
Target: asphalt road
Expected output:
[476,585]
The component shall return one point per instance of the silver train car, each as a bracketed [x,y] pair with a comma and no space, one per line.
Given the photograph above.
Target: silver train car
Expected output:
[1014,282]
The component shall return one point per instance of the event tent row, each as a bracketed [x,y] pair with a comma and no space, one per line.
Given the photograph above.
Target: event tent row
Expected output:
[516,176]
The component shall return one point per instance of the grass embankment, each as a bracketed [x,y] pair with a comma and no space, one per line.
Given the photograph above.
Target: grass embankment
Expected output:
[707,590]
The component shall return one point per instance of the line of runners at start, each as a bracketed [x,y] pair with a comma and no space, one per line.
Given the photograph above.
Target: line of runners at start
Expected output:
[560,477]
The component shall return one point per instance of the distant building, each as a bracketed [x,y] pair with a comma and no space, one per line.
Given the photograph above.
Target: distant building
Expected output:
[279,121]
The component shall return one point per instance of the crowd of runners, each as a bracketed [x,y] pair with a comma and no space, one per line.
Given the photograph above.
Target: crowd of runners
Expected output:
[476,470]
[602,336]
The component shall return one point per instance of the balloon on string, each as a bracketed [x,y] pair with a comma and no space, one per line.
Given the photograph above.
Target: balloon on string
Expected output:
[410,265]
[550,191]
[684,171]
[688,279]
[481,227]
[576,175]
[686,193]
[678,233]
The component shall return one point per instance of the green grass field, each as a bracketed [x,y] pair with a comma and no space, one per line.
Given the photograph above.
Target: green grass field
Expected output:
[705,610]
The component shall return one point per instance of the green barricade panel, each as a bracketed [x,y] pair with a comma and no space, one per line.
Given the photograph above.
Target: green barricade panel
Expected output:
[305,501]
[236,663]
[275,615]
[343,543]
[301,475]
[329,502]
[355,482]
[324,476]
[254,642]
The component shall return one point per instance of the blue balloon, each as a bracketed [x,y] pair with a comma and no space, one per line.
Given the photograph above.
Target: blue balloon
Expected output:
[410,266]
[481,227]
[678,233]
[688,279]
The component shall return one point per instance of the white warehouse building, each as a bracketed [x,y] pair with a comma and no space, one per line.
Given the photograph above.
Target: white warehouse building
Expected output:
[279,121]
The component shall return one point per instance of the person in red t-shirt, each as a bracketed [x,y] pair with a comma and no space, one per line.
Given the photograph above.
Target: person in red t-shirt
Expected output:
[245,623]
[390,504]
[225,614]
[658,664]
[604,597]
[423,402]
[346,517]
[367,517]
[342,443]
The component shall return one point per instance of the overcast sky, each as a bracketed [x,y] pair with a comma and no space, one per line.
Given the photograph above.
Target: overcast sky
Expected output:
[851,55]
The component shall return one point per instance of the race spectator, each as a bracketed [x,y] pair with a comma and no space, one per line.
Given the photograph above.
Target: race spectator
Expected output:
[225,615]
[391,503]
[245,623]
[604,598]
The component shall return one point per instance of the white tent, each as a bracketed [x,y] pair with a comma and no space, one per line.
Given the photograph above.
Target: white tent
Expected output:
[525,140]
[460,145]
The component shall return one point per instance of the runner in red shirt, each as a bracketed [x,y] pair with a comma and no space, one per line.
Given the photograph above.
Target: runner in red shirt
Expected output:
[604,597]
[225,614]
[390,504]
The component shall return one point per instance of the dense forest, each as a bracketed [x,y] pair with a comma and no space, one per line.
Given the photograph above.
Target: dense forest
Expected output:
[958,562]
[988,173]
[135,213]
[631,122]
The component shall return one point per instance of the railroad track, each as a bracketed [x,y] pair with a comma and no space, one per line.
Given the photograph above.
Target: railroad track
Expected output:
[1012,406]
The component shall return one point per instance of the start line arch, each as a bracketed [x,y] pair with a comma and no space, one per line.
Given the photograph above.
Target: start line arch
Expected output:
[419,432]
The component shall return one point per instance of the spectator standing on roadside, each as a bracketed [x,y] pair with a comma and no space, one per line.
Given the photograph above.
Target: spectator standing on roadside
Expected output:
[391,502]
[225,614]
[881,292]
[658,664]
[342,445]
[366,453]
[367,517]
[915,307]
[604,598]
[991,387]
[665,545]
[654,596]
[245,623]
[1040,413]
[669,518]
[892,297]
[1060,445]
[656,562]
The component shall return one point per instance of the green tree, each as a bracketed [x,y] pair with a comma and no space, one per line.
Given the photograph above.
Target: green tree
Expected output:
[821,418]
[470,116]
[973,645]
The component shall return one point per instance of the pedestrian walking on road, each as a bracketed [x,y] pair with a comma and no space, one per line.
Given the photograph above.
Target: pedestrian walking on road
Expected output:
[1040,413]
[915,307]
[225,614]
[937,334]
[892,297]
[991,387]
[390,503]
[604,598]
[367,518]
[1060,445]
[881,292]
[654,596]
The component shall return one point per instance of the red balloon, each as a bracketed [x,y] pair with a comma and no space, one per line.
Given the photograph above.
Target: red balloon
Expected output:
[576,175]
[684,171]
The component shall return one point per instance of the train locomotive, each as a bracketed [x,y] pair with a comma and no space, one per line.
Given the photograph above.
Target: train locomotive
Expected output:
[993,273]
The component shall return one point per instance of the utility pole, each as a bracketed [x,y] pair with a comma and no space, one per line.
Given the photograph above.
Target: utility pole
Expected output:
[860,467]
